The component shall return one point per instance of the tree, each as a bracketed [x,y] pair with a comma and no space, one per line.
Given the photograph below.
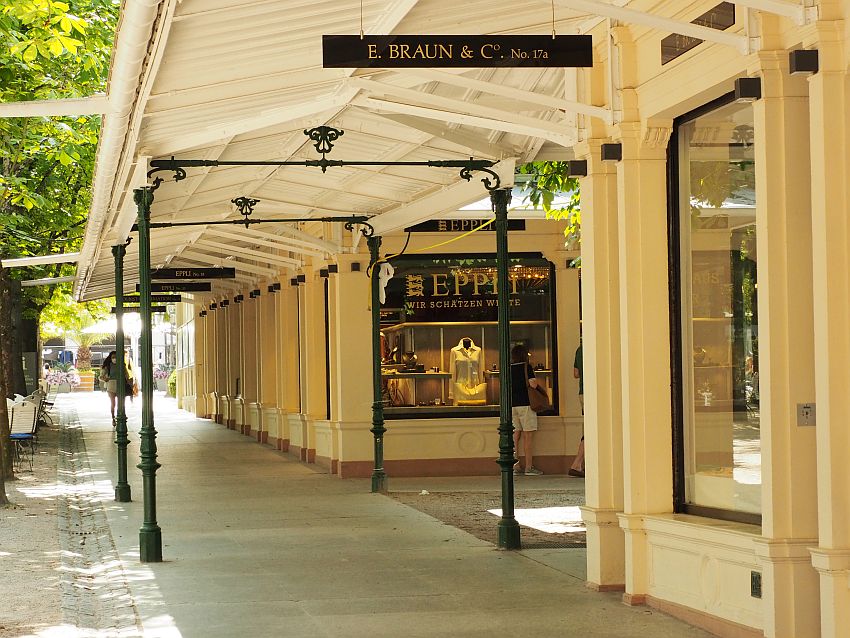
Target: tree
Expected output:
[48,50]
[65,317]
[549,183]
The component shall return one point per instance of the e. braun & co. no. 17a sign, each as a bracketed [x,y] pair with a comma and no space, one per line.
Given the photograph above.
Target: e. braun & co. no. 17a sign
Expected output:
[412,51]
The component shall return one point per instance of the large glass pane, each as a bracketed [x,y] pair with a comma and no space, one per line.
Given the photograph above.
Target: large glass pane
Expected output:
[720,310]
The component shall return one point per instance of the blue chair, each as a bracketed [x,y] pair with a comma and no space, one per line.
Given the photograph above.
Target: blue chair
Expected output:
[23,421]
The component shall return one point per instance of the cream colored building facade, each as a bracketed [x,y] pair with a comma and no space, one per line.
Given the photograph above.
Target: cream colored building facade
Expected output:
[708,494]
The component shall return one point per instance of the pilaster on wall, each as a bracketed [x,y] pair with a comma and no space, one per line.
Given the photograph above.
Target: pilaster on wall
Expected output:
[786,346]
[352,380]
[603,429]
[221,356]
[287,360]
[829,111]
[250,352]
[199,370]
[313,361]
[645,342]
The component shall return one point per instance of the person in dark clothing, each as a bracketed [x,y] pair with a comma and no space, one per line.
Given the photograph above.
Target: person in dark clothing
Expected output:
[577,468]
[523,417]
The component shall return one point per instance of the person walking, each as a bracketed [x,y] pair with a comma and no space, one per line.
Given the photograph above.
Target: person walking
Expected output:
[110,377]
[577,468]
[523,417]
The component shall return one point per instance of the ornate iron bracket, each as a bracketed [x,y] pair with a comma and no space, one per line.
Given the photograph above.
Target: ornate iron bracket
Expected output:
[246,207]
[323,138]
[367,231]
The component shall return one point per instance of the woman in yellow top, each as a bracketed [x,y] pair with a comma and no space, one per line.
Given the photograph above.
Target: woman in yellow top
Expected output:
[109,377]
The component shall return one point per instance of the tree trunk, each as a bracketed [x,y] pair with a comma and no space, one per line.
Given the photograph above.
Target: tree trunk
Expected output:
[5,372]
[4,445]
[19,382]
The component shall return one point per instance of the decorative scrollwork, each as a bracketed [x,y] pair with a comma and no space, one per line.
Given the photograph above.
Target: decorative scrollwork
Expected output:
[246,207]
[323,138]
[367,229]
[166,165]
[490,185]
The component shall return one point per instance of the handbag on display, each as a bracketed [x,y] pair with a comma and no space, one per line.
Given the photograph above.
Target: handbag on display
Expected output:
[538,400]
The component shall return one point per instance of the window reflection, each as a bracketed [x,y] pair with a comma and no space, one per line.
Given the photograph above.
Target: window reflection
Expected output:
[720,311]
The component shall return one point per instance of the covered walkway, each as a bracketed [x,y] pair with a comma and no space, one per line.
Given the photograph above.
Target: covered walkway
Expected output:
[259,544]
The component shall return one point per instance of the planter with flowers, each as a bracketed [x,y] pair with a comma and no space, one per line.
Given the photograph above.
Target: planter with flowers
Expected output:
[65,379]
[160,378]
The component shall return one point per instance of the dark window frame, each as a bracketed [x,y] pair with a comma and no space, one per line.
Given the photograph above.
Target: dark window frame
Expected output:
[674,270]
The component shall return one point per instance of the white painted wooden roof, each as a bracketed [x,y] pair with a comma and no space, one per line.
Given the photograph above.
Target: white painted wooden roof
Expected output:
[242,79]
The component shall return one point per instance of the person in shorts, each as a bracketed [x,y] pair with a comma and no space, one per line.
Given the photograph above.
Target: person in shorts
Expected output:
[524,418]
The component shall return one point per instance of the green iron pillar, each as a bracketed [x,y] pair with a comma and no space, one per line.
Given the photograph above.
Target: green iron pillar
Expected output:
[150,535]
[508,526]
[122,487]
[379,476]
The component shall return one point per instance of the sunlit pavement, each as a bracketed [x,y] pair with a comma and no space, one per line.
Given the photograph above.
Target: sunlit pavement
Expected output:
[258,544]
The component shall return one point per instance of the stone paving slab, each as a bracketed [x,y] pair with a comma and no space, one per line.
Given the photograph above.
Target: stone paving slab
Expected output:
[258,544]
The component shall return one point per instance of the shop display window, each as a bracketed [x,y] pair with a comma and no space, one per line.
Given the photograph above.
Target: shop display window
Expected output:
[720,429]
[439,333]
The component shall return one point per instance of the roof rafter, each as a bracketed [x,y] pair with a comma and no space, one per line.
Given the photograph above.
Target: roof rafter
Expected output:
[434,75]
[634,16]
[544,127]
[561,137]
[212,259]
[446,199]
[287,262]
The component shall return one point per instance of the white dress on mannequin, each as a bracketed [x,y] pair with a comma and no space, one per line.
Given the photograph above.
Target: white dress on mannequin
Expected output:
[465,366]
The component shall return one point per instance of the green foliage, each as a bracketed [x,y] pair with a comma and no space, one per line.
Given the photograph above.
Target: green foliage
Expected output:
[548,181]
[49,50]
[172,384]
[64,317]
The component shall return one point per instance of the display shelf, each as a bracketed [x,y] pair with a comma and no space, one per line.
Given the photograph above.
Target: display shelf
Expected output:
[495,372]
[416,375]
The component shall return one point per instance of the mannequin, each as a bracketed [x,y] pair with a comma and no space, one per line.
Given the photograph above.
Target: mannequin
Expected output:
[466,387]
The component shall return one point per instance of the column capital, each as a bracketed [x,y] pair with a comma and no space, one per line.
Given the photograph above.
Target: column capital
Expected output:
[829,561]
[644,140]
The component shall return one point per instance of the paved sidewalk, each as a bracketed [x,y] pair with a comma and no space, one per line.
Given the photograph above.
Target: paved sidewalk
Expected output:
[258,544]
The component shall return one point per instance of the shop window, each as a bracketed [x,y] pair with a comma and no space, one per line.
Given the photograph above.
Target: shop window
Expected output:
[716,303]
[439,335]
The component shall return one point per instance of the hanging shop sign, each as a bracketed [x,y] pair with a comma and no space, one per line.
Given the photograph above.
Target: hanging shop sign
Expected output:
[193,273]
[186,286]
[131,311]
[460,225]
[459,51]
[135,299]
[721,17]
[463,290]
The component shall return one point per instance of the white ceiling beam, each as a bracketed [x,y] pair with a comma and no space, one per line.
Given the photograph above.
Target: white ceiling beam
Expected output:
[563,137]
[418,98]
[214,135]
[633,16]
[256,255]
[47,281]
[299,237]
[794,10]
[94,105]
[280,243]
[229,261]
[21,262]
[446,199]
[464,141]
[530,97]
